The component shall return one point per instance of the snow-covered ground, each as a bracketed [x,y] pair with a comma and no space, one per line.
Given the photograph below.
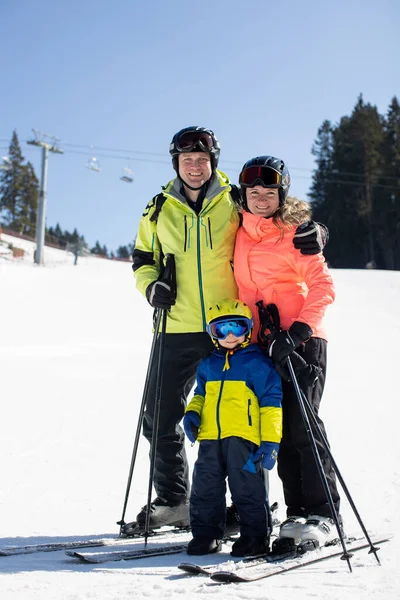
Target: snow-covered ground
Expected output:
[74,346]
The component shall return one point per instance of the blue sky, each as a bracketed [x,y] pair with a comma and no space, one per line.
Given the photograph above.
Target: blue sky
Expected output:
[125,75]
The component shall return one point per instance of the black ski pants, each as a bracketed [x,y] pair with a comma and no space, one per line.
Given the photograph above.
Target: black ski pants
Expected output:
[182,354]
[218,460]
[303,490]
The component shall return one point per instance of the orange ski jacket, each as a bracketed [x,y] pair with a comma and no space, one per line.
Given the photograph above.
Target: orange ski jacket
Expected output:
[268,267]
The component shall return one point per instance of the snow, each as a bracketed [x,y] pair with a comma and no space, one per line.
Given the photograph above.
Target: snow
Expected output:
[74,346]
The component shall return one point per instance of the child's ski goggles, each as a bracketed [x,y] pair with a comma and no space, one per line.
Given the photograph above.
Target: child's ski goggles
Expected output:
[220,329]
[265,176]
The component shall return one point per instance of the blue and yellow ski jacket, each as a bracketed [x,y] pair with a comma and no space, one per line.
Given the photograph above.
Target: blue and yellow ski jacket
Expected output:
[243,400]
[203,246]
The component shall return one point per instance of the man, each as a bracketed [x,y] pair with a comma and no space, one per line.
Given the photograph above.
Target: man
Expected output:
[196,219]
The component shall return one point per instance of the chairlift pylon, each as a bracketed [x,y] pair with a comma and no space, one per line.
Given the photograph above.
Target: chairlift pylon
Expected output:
[128,175]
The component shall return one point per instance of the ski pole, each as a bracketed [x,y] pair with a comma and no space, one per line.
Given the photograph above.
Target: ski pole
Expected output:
[169,276]
[324,441]
[140,421]
[346,555]
[156,417]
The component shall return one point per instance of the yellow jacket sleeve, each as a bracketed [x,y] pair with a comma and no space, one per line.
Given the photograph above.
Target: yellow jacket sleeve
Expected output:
[196,404]
[147,253]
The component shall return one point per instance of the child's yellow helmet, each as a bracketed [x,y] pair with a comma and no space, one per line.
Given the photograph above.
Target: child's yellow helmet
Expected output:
[229,316]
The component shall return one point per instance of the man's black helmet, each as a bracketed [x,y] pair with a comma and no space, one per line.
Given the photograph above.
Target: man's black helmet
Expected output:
[268,171]
[194,139]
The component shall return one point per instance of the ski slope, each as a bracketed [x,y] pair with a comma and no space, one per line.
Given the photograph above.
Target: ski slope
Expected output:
[74,345]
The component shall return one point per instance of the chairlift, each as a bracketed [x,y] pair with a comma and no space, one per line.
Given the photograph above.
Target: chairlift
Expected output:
[127,176]
[93,164]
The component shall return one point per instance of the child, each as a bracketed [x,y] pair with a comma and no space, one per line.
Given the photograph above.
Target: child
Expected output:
[236,415]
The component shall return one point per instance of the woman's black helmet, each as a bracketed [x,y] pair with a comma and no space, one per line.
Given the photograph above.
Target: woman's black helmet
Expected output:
[268,171]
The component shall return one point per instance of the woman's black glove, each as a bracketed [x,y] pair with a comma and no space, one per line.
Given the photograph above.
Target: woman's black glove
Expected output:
[311,237]
[286,341]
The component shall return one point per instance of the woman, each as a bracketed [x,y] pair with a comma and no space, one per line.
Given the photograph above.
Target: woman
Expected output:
[268,268]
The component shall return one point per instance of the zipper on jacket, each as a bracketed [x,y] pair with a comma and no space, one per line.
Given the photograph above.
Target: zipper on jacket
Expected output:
[186,234]
[218,405]
[209,232]
[200,276]
[249,412]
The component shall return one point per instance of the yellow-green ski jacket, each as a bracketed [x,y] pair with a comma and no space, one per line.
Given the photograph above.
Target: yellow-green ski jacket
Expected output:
[203,247]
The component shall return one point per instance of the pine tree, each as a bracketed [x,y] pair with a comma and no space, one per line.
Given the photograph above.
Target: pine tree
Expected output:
[12,186]
[322,150]
[366,135]
[389,193]
[123,252]
[29,202]
[96,248]
[322,191]
[76,244]
[345,184]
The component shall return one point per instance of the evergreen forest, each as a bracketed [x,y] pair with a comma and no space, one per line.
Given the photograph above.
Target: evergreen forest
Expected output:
[355,189]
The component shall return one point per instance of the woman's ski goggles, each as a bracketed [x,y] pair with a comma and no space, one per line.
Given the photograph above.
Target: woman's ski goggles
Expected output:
[265,176]
[190,139]
[220,329]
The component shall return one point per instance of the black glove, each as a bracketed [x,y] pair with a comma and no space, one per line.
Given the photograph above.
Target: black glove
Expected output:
[306,374]
[311,237]
[160,294]
[284,342]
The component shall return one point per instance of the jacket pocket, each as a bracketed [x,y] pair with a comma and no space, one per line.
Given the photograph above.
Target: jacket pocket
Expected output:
[250,420]
[209,233]
[186,234]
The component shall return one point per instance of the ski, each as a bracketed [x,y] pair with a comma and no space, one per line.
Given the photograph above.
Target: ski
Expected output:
[103,557]
[195,569]
[51,547]
[287,565]
[55,546]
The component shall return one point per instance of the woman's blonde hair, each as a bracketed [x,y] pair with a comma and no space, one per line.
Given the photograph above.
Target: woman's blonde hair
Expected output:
[293,212]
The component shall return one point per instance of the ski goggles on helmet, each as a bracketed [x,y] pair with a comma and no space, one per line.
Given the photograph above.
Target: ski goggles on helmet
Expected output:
[237,326]
[259,175]
[189,140]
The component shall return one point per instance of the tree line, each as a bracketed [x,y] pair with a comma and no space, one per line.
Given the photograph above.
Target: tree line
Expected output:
[355,191]
[356,187]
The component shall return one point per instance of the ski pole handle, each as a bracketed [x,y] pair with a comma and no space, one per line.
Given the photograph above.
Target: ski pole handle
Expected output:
[169,275]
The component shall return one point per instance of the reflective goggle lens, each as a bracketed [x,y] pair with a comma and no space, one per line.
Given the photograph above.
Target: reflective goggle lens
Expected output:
[265,175]
[187,141]
[222,329]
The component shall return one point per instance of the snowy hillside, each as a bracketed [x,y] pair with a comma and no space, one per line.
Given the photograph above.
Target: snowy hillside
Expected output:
[74,345]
